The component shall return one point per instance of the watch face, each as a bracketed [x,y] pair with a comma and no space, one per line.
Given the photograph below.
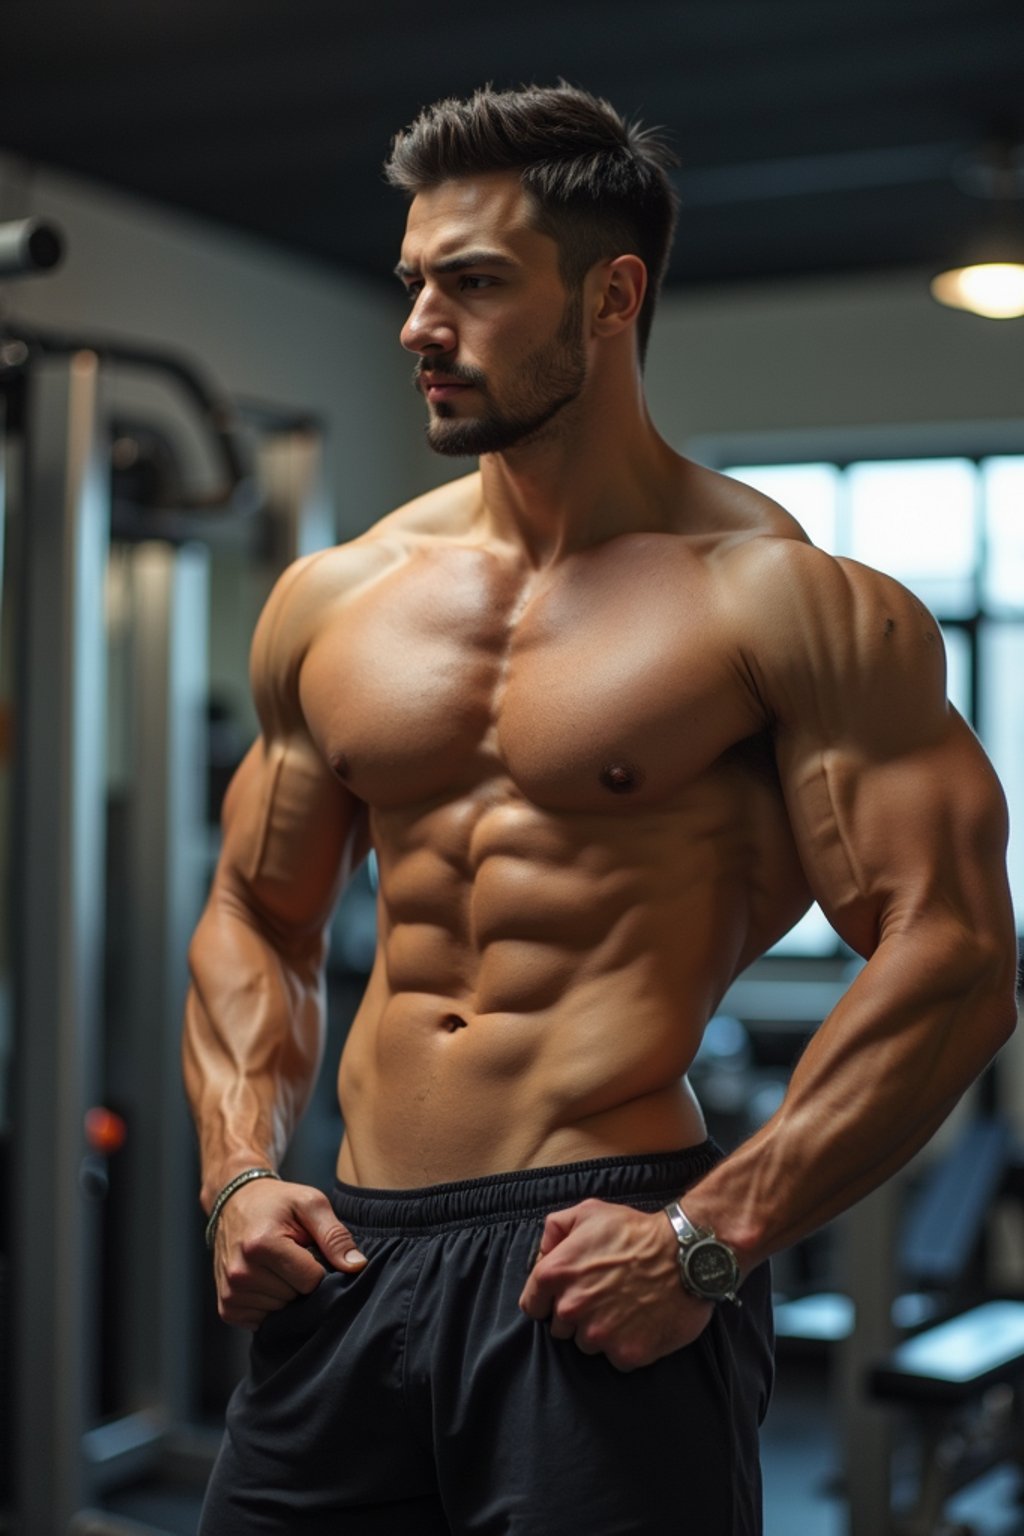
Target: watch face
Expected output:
[712,1268]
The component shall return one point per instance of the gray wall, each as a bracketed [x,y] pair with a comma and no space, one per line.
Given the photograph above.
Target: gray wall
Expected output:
[864,361]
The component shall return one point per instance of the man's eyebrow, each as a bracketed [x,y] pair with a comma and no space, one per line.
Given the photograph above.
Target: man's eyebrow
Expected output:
[480,258]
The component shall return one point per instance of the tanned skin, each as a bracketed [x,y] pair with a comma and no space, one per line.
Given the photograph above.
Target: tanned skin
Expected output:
[609,722]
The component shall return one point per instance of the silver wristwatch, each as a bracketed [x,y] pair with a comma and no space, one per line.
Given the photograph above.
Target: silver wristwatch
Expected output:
[708,1267]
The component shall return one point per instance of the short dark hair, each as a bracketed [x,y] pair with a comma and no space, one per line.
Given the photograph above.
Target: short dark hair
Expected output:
[600,185]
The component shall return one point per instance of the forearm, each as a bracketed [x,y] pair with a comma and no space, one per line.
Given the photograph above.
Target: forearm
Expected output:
[922,1020]
[253,1040]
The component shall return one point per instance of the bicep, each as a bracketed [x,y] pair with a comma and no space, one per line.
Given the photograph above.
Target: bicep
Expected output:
[891,840]
[292,833]
[898,815]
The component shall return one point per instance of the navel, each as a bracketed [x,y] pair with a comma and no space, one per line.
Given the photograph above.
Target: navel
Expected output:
[453,1021]
[621,778]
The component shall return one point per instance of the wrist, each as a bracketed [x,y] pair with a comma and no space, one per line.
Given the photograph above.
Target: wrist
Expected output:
[709,1268]
[725,1211]
[216,1175]
[229,1190]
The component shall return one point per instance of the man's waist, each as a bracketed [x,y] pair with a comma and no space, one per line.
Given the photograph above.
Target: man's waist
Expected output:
[412,1139]
[646,1179]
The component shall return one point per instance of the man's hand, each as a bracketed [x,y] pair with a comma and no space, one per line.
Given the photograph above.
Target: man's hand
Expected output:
[608,1277]
[261,1258]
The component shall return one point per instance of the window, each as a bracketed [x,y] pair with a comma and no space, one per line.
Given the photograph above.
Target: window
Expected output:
[952,530]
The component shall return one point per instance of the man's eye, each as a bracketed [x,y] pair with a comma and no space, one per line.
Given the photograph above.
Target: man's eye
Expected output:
[472,282]
[412,291]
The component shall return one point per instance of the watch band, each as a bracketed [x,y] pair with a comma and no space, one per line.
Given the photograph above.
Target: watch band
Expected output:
[682,1226]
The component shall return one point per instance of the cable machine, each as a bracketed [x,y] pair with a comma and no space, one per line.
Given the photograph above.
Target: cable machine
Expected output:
[105,850]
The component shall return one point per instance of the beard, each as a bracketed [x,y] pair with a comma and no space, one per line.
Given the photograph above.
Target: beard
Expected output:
[553,376]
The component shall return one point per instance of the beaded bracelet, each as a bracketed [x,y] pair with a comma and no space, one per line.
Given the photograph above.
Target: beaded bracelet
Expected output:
[229,1189]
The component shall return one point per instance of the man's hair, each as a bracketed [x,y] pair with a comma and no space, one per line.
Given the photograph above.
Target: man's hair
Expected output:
[599,184]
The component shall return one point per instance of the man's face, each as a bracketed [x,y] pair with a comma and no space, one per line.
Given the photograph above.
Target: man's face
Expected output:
[498,338]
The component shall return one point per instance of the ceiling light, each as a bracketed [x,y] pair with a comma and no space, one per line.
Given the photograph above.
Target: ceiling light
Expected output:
[994,289]
[992,283]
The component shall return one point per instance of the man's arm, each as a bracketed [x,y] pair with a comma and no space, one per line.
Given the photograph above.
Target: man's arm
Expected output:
[901,827]
[254,1015]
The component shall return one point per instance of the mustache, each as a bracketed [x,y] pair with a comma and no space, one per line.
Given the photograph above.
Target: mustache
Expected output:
[451,370]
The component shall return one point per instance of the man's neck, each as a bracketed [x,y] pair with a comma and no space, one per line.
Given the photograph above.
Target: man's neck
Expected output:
[600,469]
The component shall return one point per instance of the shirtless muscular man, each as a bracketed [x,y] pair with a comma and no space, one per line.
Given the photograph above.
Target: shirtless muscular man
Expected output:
[608,721]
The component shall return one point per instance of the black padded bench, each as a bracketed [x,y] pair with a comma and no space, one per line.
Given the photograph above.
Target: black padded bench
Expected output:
[962,1379]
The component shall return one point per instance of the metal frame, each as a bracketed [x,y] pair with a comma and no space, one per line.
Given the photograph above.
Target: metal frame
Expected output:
[63,1456]
[867,1241]
[60,862]
[71,1044]
[291,470]
[166,873]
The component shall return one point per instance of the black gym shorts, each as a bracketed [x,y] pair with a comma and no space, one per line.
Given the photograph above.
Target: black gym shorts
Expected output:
[414,1398]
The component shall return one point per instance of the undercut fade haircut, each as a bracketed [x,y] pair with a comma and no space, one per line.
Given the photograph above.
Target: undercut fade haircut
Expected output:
[599,185]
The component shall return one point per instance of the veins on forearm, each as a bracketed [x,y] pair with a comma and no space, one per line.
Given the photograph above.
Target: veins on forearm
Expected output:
[884,1070]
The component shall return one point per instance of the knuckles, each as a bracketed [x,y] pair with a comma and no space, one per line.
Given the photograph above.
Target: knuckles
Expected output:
[594,1338]
[256,1246]
[314,1205]
[625,1357]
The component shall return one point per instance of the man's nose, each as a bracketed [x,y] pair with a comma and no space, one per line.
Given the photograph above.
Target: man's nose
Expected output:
[428,327]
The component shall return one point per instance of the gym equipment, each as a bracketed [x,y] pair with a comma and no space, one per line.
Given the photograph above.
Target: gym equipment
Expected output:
[945,1222]
[22,346]
[963,1380]
[108,581]
[934,1236]
[28,246]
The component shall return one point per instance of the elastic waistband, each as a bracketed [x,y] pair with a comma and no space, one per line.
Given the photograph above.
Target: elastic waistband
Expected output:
[640,1179]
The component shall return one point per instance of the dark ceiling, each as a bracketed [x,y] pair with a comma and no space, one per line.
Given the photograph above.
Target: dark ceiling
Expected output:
[814,135]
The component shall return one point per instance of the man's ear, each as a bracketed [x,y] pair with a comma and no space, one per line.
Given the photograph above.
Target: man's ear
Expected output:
[619,296]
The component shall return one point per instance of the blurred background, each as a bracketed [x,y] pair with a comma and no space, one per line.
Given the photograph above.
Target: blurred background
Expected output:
[200,378]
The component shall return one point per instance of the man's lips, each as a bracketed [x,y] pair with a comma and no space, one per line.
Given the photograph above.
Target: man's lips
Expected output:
[438,389]
[437,385]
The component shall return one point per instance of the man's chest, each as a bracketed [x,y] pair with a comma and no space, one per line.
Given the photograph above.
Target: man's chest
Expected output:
[599,687]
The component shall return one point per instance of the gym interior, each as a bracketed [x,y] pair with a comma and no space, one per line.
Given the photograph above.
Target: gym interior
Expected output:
[200,380]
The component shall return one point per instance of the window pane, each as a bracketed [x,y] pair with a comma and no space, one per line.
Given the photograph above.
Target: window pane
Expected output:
[1002,732]
[1004,566]
[809,492]
[958,670]
[916,519]
[812,935]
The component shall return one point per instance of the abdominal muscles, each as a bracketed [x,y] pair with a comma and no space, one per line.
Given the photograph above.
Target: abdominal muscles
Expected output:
[541,986]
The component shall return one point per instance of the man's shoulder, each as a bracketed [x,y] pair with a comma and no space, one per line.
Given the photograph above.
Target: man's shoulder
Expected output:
[826,638]
[764,560]
[776,581]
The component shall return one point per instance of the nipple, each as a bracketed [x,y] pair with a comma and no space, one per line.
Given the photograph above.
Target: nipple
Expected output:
[339,763]
[620,778]
[452,1022]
